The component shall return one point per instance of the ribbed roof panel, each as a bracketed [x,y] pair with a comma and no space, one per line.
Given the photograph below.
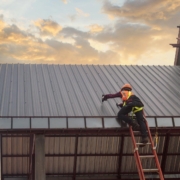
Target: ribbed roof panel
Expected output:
[76,90]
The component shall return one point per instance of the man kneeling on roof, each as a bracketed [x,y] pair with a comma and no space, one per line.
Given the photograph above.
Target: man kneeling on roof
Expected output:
[130,103]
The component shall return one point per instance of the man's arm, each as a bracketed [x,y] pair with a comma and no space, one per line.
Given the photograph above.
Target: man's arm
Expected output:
[109,96]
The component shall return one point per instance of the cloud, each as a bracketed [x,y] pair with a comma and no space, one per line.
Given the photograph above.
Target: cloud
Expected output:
[95,28]
[18,46]
[2,24]
[47,27]
[64,1]
[72,32]
[146,11]
[140,33]
[81,13]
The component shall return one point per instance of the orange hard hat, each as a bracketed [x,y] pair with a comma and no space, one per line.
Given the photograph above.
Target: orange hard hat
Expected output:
[126,86]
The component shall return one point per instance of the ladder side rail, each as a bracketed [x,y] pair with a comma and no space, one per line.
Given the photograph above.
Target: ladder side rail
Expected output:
[154,151]
[136,155]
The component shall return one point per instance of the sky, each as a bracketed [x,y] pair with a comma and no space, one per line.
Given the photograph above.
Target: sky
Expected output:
[108,32]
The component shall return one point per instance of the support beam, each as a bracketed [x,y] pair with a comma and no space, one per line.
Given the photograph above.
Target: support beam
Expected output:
[75,158]
[40,157]
[121,146]
[165,152]
[31,156]
[0,157]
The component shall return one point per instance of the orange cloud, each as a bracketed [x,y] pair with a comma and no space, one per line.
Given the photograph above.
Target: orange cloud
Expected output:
[48,27]
[64,1]
[94,28]
[132,39]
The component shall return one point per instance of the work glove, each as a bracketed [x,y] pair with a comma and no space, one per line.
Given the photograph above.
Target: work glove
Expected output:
[119,105]
[104,98]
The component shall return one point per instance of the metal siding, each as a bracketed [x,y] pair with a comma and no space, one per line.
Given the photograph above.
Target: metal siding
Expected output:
[44,95]
[21,90]
[76,90]
[172,164]
[93,164]
[15,165]
[35,91]
[5,108]
[97,145]
[64,164]
[59,145]
[88,92]
[174,144]
[28,100]
[64,91]
[93,89]
[15,145]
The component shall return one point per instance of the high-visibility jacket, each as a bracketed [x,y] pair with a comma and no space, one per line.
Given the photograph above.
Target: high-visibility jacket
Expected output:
[129,97]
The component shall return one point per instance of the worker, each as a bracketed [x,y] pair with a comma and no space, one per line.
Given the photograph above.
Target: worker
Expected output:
[130,102]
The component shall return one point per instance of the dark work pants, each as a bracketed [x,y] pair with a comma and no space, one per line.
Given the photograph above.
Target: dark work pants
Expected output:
[123,116]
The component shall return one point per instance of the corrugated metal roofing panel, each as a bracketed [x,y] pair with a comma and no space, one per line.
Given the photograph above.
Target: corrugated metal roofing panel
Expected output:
[76,90]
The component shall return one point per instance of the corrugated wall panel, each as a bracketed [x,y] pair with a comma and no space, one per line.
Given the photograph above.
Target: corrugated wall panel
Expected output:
[97,145]
[15,145]
[76,90]
[172,164]
[94,164]
[59,145]
[65,164]
[15,165]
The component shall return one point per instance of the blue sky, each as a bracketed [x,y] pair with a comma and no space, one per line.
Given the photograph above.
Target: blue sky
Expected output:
[124,32]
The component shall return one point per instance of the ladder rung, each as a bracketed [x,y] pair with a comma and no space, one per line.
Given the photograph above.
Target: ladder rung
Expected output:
[148,156]
[150,170]
[143,143]
[137,132]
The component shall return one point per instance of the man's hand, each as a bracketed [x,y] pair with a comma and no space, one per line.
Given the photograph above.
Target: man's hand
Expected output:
[104,98]
[119,105]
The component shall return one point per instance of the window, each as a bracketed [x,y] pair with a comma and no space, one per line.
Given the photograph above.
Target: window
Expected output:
[21,123]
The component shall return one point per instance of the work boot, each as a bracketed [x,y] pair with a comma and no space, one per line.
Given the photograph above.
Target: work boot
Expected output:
[135,126]
[144,140]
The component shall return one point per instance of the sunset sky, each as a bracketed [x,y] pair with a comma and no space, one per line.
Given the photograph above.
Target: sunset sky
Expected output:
[116,32]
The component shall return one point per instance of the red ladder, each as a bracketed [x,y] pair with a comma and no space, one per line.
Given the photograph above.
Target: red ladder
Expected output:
[138,157]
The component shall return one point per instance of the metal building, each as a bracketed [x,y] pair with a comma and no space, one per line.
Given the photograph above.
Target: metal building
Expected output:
[54,126]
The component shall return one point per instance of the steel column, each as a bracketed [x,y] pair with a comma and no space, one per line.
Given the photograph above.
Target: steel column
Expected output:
[40,157]
[165,151]
[0,157]
[31,152]
[75,158]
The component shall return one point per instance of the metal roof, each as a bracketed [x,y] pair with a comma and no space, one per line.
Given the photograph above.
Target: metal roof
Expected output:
[76,90]
[88,145]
